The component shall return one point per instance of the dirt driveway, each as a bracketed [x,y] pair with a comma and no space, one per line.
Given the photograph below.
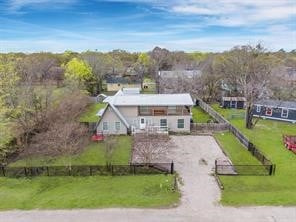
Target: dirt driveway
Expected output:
[194,160]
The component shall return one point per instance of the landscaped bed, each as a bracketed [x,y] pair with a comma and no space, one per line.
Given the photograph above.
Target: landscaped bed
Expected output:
[87,192]
[260,190]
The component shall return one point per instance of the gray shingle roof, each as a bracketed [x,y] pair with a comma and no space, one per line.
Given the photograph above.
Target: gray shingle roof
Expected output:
[277,103]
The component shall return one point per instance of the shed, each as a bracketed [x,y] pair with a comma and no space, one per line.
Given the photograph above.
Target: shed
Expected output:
[233,102]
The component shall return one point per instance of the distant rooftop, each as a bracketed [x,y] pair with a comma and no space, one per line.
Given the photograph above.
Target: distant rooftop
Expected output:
[277,103]
[180,73]
[123,99]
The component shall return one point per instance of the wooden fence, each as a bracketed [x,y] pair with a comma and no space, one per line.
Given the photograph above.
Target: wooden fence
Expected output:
[208,127]
[88,170]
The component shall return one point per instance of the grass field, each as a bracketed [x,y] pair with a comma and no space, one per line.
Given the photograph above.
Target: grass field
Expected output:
[92,155]
[87,192]
[260,190]
[90,114]
[200,116]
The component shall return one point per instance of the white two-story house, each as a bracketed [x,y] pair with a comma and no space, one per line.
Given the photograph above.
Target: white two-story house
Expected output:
[128,111]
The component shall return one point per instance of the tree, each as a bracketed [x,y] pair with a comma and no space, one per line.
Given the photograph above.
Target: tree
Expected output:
[100,64]
[159,58]
[78,70]
[248,69]
[111,144]
[142,65]
[63,134]
[149,148]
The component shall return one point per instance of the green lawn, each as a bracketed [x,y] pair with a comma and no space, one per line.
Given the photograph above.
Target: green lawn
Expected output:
[200,116]
[151,86]
[238,154]
[90,114]
[87,192]
[260,190]
[92,155]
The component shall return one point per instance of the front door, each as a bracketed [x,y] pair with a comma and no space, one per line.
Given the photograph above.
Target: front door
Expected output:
[142,123]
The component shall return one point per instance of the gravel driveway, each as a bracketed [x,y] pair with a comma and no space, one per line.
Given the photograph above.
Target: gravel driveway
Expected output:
[194,160]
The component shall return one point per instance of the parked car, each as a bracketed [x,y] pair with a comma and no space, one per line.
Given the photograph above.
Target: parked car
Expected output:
[290,143]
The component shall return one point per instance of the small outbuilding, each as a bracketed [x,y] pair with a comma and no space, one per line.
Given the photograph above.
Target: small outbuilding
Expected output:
[275,109]
[233,102]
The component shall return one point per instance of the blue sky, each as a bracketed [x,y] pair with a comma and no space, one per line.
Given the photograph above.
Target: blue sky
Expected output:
[139,25]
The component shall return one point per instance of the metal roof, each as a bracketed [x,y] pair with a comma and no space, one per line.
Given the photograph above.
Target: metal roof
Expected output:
[151,100]
[233,98]
[180,73]
[277,103]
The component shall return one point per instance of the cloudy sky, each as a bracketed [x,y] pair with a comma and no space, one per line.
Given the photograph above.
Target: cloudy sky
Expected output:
[139,25]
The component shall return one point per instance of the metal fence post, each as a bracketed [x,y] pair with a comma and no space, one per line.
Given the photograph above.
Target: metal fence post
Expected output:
[90,170]
[47,171]
[270,170]
[25,169]
[3,171]
[172,167]
[215,166]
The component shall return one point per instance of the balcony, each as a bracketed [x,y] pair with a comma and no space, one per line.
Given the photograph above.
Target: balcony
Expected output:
[163,111]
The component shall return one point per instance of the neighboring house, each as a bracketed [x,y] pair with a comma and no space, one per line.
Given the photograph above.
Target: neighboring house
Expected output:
[179,74]
[116,82]
[129,111]
[233,102]
[275,109]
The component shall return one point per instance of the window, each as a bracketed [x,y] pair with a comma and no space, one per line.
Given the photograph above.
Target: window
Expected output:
[117,126]
[105,125]
[258,109]
[142,120]
[163,123]
[144,110]
[285,113]
[232,104]
[268,111]
[172,110]
[180,123]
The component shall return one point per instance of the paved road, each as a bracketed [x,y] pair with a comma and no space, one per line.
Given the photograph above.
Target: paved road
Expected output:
[200,196]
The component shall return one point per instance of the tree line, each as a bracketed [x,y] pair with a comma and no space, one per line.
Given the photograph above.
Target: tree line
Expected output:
[34,88]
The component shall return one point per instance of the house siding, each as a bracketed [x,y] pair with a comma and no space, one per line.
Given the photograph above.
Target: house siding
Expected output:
[276,113]
[118,86]
[238,104]
[130,113]
[110,117]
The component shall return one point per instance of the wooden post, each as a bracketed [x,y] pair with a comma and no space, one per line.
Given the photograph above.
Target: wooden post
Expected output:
[90,171]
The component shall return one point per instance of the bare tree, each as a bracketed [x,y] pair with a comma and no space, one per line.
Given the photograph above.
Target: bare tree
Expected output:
[61,133]
[248,69]
[61,139]
[150,148]
[111,144]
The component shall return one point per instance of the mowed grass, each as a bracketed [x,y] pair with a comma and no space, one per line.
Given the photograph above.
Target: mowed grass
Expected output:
[90,114]
[200,116]
[261,190]
[238,154]
[87,192]
[93,154]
